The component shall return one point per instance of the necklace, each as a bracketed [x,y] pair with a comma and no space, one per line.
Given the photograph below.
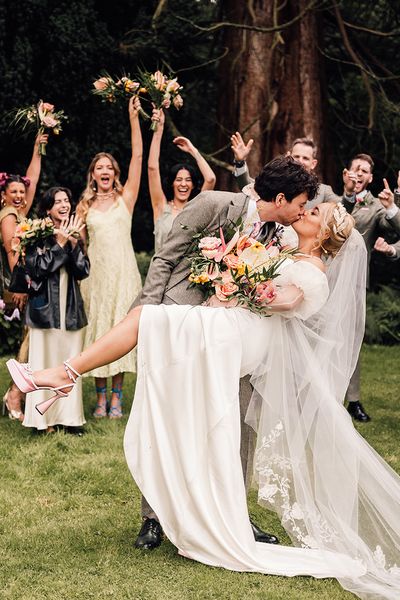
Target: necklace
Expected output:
[104,196]
[177,208]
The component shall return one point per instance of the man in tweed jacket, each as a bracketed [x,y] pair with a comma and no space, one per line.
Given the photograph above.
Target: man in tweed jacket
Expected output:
[284,187]
[374,217]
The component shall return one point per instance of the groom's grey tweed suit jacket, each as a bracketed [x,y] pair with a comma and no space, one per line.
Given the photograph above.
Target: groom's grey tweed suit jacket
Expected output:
[167,280]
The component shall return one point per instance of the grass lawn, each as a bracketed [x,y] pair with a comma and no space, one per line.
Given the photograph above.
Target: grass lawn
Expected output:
[70,512]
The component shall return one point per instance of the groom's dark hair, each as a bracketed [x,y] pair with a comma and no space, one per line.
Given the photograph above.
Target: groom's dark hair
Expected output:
[285,175]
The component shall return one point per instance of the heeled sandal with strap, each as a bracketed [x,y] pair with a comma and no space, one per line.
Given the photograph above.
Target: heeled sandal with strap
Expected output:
[22,376]
[73,375]
[115,411]
[101,407]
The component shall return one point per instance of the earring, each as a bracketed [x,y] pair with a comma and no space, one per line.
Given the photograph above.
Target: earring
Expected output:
[323,249]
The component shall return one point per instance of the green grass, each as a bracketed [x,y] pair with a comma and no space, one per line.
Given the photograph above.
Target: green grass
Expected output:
[70,512]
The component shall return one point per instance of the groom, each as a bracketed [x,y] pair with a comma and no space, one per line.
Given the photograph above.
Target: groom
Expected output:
[283,186]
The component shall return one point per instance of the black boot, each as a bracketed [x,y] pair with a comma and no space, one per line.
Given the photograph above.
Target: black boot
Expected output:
[150,535]
[356,410]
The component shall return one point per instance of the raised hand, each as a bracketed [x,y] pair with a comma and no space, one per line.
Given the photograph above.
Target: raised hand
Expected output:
[184,144]
[158,116]
[239,148]
[350,181]
[386,196]
[382,246]
[134,106]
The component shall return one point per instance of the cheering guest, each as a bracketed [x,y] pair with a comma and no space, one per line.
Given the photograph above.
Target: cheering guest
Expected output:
[106,207]
[17,194]
[180,186]
[373,217]
[55,314]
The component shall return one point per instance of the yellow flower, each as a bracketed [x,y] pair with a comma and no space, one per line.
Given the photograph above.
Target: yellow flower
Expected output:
[240,269]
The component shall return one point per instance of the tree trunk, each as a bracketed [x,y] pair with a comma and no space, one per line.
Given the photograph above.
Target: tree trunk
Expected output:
[270,84]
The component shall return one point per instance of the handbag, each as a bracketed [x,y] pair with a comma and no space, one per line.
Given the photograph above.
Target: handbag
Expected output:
[20,280]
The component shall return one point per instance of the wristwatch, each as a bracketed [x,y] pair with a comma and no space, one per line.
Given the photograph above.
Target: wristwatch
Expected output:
[239,163]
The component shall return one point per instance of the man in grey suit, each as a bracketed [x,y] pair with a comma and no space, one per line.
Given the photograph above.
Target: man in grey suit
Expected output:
[373,218]
[303,150]
[283,187]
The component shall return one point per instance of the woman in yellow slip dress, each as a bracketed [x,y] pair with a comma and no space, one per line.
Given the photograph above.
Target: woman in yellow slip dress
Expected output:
[106,206]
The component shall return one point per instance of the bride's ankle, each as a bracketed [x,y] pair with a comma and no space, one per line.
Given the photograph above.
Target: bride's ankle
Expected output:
[55,377]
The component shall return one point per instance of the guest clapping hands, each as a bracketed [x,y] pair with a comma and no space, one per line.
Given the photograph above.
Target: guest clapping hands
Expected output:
[55,314]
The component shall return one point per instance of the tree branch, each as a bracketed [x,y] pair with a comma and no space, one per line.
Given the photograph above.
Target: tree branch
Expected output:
[358,63]
[393,33]
[310,6]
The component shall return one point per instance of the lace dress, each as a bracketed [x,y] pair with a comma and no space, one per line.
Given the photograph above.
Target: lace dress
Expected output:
[114,280]
[182,444]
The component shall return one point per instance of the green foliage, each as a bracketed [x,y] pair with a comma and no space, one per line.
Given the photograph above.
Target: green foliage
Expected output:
[143,260]
[383,316]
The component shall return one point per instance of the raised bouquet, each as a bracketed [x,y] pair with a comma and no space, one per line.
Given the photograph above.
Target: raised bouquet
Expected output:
[162,90]
[112,89]
[241,269]
[29,231]
[40,117]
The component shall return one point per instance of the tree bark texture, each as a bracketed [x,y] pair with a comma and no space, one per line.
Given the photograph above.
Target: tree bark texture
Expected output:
[270,83]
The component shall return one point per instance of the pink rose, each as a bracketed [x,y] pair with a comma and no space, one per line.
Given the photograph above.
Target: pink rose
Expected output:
[49,121]
[101,84]
[231,261]
[265,292]
[209,246]
[47,107]
[178,101]
[225,290]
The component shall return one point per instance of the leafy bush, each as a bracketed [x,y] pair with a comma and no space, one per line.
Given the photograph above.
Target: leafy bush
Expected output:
[10,330]
[383,316]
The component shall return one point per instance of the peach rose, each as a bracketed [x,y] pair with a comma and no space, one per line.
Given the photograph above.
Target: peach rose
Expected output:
[231,261]
[47,107]
[265,292]
[242,243]
[101,84]
[173,86]
[178,101]
[159,80]
[224,291]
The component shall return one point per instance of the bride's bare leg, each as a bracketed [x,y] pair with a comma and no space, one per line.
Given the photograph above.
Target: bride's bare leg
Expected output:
[117,342]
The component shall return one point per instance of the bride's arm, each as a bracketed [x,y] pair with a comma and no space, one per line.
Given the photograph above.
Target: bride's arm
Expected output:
[287,298]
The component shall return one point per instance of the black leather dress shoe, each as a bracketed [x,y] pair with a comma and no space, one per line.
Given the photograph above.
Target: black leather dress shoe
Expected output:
[262,536]
[150,535]
[356,410]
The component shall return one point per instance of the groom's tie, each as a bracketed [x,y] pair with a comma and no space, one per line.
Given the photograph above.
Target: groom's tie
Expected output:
[266,232]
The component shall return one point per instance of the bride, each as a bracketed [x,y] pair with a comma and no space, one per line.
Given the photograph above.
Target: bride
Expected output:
[337,499]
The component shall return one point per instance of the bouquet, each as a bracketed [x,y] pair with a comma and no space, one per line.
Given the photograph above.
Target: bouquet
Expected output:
[29,231]
[241,269]
[163,91]
[110,89]
[40,117]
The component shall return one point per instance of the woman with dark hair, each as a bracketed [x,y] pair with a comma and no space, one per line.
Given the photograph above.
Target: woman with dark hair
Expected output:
[181,185]
[55,314]
[106,207]
[17,193]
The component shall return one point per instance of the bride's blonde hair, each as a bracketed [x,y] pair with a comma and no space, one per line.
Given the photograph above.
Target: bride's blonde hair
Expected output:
[89,193]
[337,225]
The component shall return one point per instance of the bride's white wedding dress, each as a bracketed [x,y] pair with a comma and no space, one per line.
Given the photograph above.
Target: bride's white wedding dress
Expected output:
[337,499]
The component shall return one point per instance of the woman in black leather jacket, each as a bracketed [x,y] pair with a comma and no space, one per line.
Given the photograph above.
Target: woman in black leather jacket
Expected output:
[55,314]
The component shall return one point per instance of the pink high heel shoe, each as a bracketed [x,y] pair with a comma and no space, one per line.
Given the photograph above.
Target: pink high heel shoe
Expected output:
[23,379]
